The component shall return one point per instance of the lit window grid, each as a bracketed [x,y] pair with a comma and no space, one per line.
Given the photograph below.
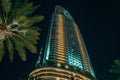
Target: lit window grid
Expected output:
[71,58]
[60,40]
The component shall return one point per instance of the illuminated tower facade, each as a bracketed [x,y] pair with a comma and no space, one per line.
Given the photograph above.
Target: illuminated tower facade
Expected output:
[65,55]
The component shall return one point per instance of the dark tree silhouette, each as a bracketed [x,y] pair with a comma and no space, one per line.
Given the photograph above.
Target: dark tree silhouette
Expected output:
[116,68]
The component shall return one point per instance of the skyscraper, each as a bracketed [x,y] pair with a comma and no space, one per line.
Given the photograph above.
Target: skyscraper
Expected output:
[65,55]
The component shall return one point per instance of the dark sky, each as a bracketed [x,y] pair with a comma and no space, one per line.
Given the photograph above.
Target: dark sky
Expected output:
[99,23]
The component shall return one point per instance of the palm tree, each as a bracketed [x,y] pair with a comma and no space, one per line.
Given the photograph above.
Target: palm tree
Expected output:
[17,29]
[116,68]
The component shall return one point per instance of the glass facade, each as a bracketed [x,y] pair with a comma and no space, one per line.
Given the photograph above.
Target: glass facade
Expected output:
[65,48]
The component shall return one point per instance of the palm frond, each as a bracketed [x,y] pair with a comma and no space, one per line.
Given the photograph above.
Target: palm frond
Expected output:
[26,10]
[20,19]
[19,46]
[10,48]
[117,62]
[6,5]
[27,43]
[1,50]
[26,22]
[115,67]
[31,36]
[115,70]
[31,47]
[21,8]
[35,28]
[16,4]
[36,33]
[36,19]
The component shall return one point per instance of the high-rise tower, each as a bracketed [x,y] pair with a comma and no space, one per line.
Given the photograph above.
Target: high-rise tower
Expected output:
[65,55]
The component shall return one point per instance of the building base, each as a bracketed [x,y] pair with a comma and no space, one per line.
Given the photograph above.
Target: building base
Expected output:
[50,73]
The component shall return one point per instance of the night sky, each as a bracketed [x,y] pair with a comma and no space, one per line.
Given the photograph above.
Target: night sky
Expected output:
[99,23]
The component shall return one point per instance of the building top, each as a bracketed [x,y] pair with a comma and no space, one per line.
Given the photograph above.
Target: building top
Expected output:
[61,10]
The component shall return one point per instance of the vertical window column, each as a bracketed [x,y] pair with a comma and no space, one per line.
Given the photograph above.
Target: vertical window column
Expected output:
[81,48]
[60,44]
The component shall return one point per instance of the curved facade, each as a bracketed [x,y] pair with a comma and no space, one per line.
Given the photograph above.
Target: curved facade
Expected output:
[65,50]
[50,73]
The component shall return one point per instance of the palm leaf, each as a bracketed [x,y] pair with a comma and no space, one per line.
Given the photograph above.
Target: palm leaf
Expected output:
[115,67]
[20,19]
[30,47]
[1,50]
[19,46]
[22,8]
[10,48]
[27,43]
[29,21]
[31,36]
[15,6]
[115,70]
[117,62]
[24,21]
[6,5]
[36,19]
[26,10]
[35,28]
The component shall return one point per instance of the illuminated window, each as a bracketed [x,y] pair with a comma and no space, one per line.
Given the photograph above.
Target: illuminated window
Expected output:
[58,64]
[66,66]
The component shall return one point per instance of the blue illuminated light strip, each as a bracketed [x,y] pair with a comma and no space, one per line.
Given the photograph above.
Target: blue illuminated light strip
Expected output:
[48,50]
